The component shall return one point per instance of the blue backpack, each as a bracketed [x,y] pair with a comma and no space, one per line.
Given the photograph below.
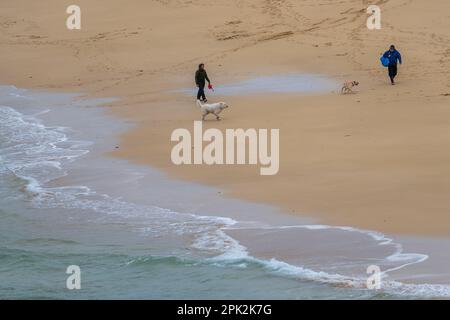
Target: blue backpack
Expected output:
[384,61]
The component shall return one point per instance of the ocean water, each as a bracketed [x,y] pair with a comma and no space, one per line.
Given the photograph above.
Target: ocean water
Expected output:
[137,234]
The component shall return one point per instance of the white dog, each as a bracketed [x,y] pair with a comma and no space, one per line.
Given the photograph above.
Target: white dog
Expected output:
[214,108]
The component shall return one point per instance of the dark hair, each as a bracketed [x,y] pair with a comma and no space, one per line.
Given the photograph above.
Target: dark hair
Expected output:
[201,65]
[392,46]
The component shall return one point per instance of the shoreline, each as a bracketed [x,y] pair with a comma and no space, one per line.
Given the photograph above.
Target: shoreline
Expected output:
[280,258]
[376,160]
[243,181]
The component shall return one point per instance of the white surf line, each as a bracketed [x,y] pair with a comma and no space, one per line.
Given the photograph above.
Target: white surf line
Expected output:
[392,286]
[377,236]
[16,95]
[35,115]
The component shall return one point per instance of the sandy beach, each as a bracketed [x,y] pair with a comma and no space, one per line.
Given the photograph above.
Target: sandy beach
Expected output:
[377,159]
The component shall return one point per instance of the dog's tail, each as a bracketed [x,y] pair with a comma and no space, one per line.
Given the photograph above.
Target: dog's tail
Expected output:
[199,103]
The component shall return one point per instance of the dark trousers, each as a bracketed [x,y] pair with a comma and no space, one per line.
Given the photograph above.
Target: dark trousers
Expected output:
[201,92]
[392,71]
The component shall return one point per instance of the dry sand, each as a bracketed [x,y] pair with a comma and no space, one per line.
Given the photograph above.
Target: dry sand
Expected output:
[378,159]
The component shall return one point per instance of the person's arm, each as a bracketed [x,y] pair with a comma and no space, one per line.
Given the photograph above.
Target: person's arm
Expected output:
[399,57]
[196,78]
[386,54]
[206,77]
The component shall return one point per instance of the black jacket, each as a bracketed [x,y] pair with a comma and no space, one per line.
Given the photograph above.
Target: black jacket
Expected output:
[200,77]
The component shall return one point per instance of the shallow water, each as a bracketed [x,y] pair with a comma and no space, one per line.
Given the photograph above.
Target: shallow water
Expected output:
[137,234]
[287,83]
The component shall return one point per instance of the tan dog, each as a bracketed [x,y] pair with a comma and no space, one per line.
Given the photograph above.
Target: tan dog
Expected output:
[348,85]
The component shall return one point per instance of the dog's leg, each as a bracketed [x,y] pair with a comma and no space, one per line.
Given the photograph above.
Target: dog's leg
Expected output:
[217,116]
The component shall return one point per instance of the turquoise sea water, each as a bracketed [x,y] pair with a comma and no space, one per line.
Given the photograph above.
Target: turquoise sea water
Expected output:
[38,244]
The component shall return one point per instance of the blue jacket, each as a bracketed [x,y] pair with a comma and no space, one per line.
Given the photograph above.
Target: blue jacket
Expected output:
[393,57]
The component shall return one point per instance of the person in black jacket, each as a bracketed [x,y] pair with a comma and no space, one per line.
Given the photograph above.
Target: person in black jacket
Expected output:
[200,80]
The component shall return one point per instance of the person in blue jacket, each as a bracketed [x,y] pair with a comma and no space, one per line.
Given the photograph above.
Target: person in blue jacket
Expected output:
[393,55]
